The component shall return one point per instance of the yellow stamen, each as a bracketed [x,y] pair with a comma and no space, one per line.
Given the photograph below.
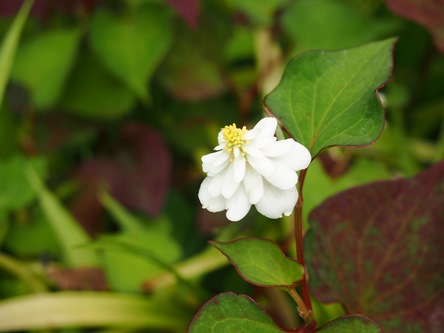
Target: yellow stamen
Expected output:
[235,138]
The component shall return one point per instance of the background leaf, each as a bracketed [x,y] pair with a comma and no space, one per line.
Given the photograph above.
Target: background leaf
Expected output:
[192,69]
[88,309]
[377,250]
[229,312]
[42,65]
[327,25]
[93,92]
[429,13]
[72,239]
[329,98]
[9,46]
[132,45]
[261,262]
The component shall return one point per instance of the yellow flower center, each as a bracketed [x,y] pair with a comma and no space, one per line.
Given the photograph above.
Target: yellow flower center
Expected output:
[235,138]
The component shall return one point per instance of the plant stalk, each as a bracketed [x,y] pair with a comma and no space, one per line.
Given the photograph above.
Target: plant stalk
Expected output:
[299,242]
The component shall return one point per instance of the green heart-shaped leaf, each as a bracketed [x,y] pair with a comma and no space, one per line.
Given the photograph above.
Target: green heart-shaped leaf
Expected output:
[328,98]
[229,312]
[43,64]
[261,262]
[132,45]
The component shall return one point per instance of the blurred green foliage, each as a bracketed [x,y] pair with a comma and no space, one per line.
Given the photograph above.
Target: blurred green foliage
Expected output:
[86,71]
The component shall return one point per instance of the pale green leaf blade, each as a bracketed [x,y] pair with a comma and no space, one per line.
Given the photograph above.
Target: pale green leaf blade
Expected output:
[261,262]
[231,313]
[72,238]
[328,98]
[132,45]
[89,309]
[44,63]
[342,26]
[9,46]
[351,324]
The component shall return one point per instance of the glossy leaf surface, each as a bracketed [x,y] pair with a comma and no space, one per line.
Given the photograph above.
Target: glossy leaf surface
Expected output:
[329,98]
[261,262]
[228,312]
[378,248]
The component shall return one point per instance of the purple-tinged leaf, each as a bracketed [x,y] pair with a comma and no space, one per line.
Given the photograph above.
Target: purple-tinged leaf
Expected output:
[350,324]
[187,9]
[429,13]
[137,176]
[261,262]
[378,249]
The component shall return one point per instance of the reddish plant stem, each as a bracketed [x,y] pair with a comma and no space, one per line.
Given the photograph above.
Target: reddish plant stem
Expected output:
[299,241]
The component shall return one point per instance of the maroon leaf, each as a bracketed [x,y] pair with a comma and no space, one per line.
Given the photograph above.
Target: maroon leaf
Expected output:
[378,250]
[187,9]
[139,174]
[429,13]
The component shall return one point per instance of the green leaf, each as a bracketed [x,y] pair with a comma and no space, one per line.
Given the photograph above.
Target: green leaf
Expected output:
[43,64]
[144,250]
[261,262]
[328,24]
[15,190]
[93,92]
[229,312]
[328,98]
[132,46]
[72,238]
[199,49]
[351,324]
[89,309]
[9,46]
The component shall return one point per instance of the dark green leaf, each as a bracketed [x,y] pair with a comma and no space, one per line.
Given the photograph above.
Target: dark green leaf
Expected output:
[231,313]
[93,92]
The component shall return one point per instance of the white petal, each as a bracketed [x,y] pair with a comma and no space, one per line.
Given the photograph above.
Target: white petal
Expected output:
[262,142]
[238,205]
[209,159]
[214,162]
[265,127]
[276,202]
[239,168]
[215,186]
[229,185]
[279,148]
[253,185]
[283,178]
[213,204]
[262,165]
[298,158]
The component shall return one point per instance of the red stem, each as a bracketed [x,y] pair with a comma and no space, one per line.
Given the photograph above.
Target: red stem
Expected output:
[299,241]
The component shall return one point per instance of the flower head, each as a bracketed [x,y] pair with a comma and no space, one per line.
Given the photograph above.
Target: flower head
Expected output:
[251,167]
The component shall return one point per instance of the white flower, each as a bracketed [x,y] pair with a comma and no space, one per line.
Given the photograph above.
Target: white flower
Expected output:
[252,168]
